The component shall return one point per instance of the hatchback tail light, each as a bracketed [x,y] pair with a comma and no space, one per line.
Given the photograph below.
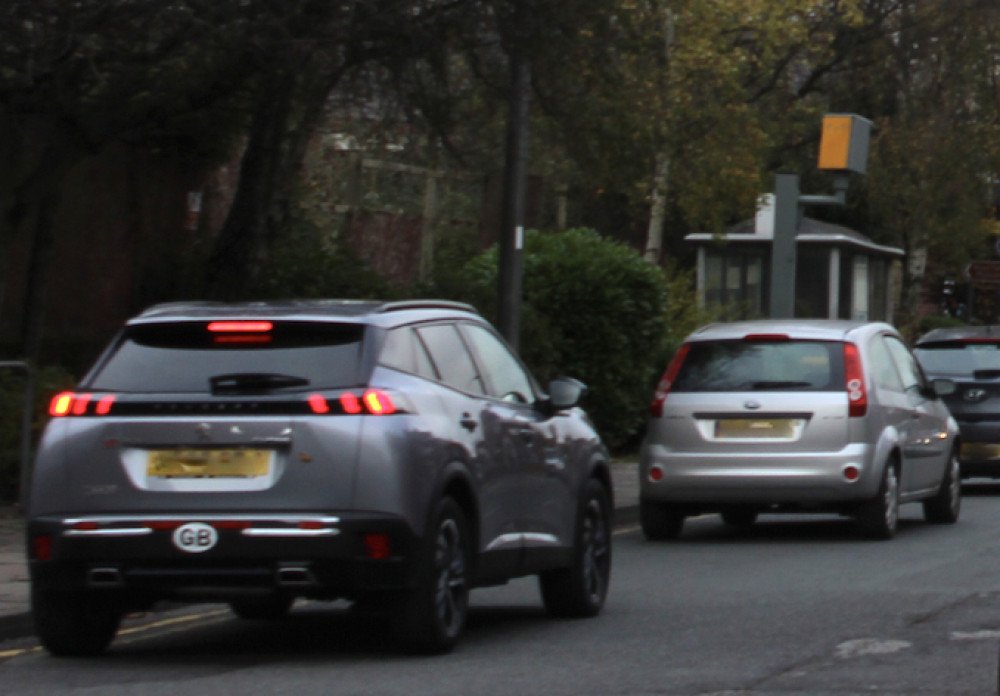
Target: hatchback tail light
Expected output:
[854,378]
[663,388]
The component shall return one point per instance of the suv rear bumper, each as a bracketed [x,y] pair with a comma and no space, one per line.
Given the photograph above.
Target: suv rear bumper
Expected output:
[136,558]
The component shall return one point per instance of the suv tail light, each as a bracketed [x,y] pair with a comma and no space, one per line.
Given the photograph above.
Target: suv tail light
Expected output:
[663,388]
[373,402]
[854,378]
[73,404]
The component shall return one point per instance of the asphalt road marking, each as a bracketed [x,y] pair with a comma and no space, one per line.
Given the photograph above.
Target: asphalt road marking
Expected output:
[173,624]
[625,530]
[975,635]
[871,646]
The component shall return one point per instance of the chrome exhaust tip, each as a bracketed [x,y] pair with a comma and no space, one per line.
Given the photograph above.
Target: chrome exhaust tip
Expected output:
[295,576]
[105,577]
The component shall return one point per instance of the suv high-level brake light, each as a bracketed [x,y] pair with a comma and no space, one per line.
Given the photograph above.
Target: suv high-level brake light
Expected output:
[854,378]
[663,388]
[235,332]
[240,326]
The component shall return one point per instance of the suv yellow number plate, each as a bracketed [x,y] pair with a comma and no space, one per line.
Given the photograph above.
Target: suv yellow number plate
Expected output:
[755,427]
[208,463]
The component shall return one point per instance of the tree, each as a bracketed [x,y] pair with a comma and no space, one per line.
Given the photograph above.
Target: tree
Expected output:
[929,79]
[311,47]
[77,77]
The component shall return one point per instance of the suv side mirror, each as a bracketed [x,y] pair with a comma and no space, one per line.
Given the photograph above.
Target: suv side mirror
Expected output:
[565,392]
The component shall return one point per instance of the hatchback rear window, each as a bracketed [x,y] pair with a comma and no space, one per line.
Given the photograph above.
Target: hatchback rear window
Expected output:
[783,365]
[976,359]
[188,357]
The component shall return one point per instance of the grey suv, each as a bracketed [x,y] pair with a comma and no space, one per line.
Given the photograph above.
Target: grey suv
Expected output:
[797,416]
[392,454]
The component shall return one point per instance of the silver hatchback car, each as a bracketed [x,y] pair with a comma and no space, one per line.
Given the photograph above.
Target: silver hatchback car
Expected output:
[797,416]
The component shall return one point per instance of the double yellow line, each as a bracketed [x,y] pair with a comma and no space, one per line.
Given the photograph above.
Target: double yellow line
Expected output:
[172,624]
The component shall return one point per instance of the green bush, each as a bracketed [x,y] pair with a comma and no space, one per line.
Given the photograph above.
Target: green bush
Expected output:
[937,321]
[592,309]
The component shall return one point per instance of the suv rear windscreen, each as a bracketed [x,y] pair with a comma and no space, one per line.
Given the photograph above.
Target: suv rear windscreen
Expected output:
[976,359]
[188,357]
[740,365]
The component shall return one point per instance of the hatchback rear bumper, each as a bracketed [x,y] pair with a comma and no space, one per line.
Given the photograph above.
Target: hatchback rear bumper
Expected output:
[765,479]
[138,558]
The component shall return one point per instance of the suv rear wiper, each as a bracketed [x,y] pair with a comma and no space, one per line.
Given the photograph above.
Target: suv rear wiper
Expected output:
[986,374]
[247,382]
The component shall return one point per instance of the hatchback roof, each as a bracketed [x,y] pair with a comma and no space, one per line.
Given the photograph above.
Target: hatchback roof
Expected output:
[814,329]
[359,311]
[959,333]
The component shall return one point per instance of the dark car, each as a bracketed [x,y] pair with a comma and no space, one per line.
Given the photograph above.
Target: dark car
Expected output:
[392,454]
[969,355]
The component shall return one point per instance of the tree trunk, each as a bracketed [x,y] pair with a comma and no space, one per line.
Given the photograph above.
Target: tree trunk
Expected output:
[39,163]
[657,210]
[234,263]
[289,104]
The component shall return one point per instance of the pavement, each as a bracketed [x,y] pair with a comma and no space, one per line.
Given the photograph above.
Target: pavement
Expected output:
[15,616]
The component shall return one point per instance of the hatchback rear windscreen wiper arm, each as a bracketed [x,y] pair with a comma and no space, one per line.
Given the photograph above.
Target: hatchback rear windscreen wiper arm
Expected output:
[780,384]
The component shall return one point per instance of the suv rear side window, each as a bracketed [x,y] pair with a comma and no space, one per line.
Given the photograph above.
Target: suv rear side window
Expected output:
[451,357]
[740,365]
[187,357]
[402,350]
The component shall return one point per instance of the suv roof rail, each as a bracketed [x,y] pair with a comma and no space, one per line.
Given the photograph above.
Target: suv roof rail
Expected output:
[425,304]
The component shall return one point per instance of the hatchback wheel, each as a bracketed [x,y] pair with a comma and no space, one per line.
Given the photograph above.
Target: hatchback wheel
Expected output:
[944,507]
[879,517]
[71,624]
[660,521]
[433,614]
[579,590]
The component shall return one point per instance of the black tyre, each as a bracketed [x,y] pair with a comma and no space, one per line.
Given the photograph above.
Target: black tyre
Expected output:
[878,518]
[262,608]
[73,624]
[580,590]
[944,507]
[431,616]
[739,516]
[659,521]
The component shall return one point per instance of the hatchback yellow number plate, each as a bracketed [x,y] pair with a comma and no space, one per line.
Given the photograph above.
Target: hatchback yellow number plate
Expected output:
[770,428]
[208,463]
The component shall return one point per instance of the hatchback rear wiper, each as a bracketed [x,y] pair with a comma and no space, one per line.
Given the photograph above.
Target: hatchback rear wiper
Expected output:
[244,382]
[780,384]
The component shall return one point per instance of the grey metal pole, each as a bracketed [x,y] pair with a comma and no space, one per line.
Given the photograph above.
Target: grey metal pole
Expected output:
[786,226]
[512,217]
